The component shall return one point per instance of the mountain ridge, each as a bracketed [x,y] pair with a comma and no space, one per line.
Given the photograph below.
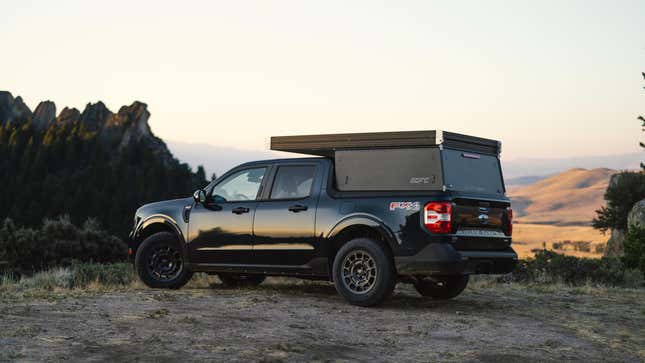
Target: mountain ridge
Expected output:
[95,163]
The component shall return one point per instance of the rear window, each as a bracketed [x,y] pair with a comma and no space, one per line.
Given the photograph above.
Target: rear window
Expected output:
[471,172]
[293,182]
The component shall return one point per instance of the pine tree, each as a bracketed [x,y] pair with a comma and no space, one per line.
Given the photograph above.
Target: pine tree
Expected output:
[68,170]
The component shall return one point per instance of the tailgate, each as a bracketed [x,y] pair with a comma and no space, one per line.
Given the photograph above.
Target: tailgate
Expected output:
[480,218]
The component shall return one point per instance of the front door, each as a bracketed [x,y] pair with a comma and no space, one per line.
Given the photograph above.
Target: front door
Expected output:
[284,224]
[221,229]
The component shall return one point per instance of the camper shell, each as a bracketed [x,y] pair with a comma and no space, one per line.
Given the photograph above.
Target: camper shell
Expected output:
[432,160]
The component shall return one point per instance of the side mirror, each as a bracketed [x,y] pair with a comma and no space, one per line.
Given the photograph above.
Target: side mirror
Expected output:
[199,196]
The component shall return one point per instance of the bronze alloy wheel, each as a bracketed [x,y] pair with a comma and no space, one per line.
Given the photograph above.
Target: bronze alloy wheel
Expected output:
[359,272]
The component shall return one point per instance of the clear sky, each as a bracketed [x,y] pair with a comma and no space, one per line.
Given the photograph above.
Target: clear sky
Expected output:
[548,78]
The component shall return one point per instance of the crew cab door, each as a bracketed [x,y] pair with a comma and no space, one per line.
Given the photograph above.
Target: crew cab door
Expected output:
[284,225]
[221,229]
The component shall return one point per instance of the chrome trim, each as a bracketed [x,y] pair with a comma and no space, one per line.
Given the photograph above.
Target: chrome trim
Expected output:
[227,247]
[261,247]
[283,246]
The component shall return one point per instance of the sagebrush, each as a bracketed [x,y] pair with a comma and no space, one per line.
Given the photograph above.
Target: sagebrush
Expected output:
[551,267]
[57,242]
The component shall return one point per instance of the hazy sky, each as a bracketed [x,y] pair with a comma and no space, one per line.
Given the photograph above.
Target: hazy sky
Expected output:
[548,78]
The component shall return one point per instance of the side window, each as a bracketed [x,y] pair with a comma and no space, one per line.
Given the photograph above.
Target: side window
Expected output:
[243,185]
[293,182]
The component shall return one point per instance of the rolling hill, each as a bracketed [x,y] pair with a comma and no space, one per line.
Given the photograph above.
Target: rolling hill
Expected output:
[560,208]
[566,199]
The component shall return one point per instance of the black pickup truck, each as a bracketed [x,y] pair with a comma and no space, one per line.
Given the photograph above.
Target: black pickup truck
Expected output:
[370,210]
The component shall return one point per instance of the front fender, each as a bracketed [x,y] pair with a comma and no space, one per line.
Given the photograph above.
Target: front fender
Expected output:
[159,219]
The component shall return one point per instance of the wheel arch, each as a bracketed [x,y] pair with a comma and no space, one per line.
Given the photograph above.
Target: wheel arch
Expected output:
[360,226]
[154,224]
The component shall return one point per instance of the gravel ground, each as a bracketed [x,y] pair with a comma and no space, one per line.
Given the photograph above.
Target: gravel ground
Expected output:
[289,320]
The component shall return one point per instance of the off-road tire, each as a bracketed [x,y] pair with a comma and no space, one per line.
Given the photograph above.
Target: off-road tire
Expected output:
[240,280]
[377,288]
[441,287]
[161,241]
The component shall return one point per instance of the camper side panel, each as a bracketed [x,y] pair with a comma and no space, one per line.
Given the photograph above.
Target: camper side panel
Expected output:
[389,169]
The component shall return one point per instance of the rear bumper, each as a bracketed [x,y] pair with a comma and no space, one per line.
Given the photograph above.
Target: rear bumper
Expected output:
[444,259]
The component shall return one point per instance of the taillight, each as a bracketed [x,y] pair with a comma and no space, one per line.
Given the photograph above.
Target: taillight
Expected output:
[437,217]
[509,229]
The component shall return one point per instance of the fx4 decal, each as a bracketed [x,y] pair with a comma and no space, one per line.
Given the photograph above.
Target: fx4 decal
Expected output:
[412,206]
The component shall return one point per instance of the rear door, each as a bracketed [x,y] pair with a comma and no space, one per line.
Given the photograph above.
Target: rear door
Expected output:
[284,226]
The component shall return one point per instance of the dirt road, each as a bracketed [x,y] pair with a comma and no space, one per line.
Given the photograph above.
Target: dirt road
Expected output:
[287,321]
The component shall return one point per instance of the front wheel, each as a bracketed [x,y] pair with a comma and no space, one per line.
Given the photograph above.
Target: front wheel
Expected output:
[160,263]
[363,272]
[441,287]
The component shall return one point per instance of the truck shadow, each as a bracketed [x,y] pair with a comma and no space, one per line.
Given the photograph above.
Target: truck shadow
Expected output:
[404,297]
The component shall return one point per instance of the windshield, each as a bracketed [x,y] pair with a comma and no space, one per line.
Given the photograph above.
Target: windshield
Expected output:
[471,172]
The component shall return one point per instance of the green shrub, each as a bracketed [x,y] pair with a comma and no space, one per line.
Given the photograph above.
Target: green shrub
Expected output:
[635,248]
[552,267]
[57,242]
[623,192]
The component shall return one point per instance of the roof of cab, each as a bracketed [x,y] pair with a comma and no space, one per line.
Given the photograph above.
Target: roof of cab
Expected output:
[281,161]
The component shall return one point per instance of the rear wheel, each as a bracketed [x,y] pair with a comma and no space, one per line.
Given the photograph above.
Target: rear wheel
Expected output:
[241,280]
[363,272]
[441,287]
[159,262]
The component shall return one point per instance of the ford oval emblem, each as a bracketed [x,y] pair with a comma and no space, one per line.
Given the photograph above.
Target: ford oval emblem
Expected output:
[483,218]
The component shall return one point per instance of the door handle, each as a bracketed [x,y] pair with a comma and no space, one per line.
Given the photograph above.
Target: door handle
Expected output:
[240,210]
[297,208]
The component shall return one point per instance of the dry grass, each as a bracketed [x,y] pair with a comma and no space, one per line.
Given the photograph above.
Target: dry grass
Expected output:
[527,237]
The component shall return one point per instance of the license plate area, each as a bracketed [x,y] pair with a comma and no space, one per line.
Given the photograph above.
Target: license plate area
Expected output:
[479,232]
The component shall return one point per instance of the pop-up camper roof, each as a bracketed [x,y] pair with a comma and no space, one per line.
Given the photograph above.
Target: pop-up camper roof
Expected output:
[327,144]
[406,160]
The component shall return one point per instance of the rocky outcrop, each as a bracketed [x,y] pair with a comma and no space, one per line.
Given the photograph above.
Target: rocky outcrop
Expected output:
[13,110]
[95,116]
[133,120]
[68,116]
[636,217]
[44,115]
[129,124]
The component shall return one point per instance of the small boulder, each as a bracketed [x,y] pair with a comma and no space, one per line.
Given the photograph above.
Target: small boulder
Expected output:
[636,216]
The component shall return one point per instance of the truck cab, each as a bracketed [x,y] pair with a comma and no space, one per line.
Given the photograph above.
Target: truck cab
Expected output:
[368,211]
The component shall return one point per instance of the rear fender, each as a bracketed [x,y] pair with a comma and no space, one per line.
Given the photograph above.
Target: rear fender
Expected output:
[369,221]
